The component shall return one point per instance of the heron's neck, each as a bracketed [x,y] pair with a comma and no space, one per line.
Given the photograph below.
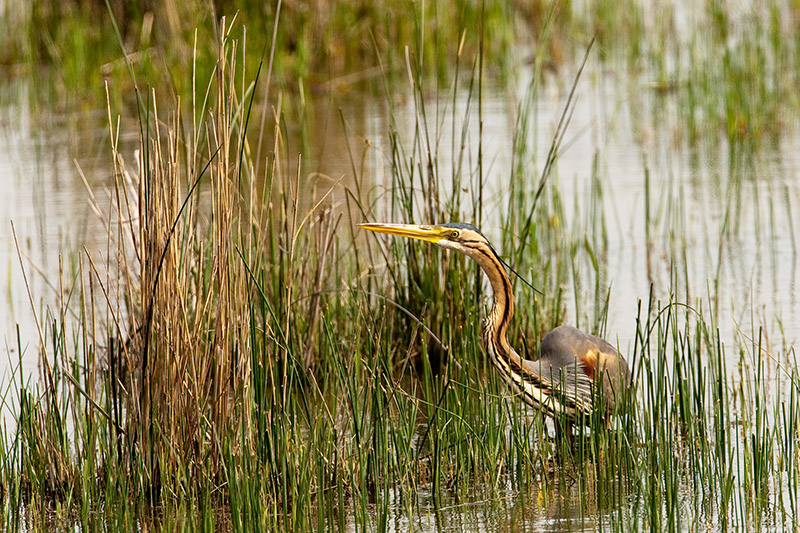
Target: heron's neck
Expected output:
[503,305]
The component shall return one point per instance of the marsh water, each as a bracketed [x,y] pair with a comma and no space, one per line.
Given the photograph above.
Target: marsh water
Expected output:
[707,223]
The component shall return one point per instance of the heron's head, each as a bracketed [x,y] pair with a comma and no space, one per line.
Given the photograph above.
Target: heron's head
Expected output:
[457,236]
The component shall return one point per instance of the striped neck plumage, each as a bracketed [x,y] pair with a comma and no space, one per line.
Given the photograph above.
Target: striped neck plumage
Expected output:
[503,302]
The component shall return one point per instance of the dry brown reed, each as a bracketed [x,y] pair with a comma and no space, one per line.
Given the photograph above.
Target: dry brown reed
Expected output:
[188,334]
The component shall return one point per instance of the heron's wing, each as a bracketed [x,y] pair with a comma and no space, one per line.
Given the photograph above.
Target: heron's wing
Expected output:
[567,343]
[568,358]
[573,385]
[566,384]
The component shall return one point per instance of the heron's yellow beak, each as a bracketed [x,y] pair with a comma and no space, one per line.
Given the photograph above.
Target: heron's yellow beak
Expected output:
[423,233]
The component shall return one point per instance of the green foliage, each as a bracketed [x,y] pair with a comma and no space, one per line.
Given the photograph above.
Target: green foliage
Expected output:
[314,41]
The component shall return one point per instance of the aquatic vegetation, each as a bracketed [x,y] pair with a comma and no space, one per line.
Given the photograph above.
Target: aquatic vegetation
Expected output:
[243,359]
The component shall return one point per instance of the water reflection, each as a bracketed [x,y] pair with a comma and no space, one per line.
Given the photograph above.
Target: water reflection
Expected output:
[562,505]
[41,156]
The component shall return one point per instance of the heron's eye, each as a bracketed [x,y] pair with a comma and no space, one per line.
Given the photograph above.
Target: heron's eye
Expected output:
[454,234]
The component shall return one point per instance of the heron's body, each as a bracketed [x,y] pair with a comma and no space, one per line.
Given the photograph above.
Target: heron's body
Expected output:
[571,365]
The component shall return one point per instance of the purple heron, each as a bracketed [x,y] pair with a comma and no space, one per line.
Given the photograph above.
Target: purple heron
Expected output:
[571,367]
